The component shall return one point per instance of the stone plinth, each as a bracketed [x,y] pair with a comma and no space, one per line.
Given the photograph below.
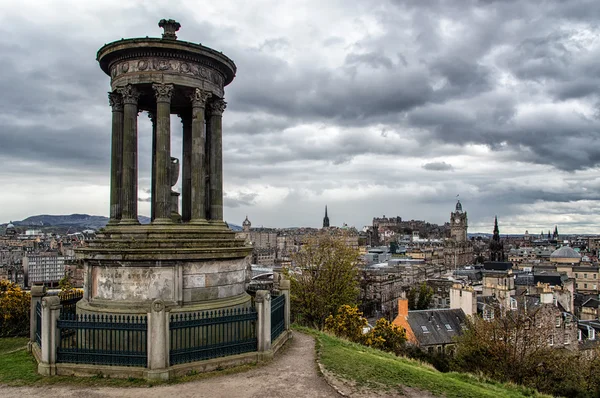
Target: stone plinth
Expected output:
[188,267]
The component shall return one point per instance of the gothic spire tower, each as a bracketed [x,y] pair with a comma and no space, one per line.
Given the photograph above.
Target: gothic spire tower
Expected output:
[496,246]
[326,219]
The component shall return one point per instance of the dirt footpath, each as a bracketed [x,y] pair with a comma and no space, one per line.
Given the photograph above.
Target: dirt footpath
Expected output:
[293,374]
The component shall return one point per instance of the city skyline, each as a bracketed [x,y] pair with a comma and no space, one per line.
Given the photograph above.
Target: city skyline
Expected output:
[394,109]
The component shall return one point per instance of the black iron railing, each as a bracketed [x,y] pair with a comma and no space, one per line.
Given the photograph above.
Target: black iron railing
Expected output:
[38,323]
[211,334]
[103,339]
[69,300]
[277,316]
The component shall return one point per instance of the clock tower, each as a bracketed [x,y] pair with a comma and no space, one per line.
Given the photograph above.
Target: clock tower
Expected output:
[458,224]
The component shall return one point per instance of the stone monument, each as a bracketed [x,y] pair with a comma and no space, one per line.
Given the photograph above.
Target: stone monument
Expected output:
[190,261]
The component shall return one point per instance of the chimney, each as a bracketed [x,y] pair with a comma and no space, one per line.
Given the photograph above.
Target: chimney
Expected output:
[403,307]
[547,298]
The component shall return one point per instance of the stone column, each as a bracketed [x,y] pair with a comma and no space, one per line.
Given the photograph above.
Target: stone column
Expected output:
[37,293]
[158,342]
[284,287]
[162,200]
[152,117]
[50,335]
[215,136]
[186,167]
[198,157]
[129,188]
[116,158]
[263,327]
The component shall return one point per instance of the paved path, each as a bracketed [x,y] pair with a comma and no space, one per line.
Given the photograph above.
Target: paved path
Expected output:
[293,374]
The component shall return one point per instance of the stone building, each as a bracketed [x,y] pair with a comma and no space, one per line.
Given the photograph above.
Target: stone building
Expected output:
[44,268]
[458,251]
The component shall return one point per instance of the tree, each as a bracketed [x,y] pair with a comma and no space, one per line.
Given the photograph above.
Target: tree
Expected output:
[421,298]
[327,278]
[65,284]
[513,346]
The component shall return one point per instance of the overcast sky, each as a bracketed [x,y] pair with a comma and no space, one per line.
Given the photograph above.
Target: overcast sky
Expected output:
[370,107]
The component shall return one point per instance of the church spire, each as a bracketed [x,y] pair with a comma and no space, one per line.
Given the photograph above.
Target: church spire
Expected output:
[496,246]
[326,219]
[496,230]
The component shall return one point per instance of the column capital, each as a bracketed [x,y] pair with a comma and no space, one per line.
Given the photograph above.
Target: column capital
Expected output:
[115,100]
[217,106]
[163,91]
[129,93]
[199,97]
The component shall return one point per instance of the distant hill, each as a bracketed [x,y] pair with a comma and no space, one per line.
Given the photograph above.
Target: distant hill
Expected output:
[77,221]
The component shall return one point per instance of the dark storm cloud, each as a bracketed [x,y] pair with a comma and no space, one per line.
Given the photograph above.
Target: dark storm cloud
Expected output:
[438,166]
[317,106]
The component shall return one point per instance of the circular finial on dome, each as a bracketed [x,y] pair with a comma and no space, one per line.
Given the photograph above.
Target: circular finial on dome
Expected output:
[246,222]
[170,26]
[458,206]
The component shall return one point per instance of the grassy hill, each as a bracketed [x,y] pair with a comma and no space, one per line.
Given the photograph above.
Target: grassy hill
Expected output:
[369,369]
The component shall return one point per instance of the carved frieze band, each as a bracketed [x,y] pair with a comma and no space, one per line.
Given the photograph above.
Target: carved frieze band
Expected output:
[115,100]
[217,107]
[199,97]
[129,93]
[163,92]
[166,65]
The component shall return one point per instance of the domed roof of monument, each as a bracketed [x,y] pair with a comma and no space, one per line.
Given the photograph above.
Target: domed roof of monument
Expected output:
[10,225]
[565,252]
[458,206]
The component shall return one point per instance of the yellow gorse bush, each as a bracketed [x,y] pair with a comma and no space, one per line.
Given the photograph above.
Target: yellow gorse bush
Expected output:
[14,310]
[350,324]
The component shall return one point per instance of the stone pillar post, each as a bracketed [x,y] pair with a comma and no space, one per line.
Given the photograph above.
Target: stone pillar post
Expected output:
[158,341]
[263,328]
[130,96]
[284,287]
[198,157]
[37,293]
[186,167]
[162,200]
[116,158]
[215,135]
[50,335]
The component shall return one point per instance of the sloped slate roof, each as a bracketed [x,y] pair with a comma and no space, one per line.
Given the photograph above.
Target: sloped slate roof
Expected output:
[437,326]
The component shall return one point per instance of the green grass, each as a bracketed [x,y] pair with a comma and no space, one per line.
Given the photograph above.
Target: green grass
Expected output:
[374,369]
[12,343]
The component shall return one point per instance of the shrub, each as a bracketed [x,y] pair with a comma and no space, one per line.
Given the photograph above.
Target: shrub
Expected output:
[14,310]
[347,323]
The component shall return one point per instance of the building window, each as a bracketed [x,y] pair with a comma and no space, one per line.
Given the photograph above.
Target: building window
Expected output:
[576,275]
[430,350]
[585,285]
[551,340]
[585,276]
[579,335]
[558,321]
[577,285]
[513,304]
[424,329]
[567,338]
[448,327]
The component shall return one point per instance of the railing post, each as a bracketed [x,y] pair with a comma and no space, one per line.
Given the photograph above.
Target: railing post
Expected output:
[158,341]
[284,287]
[37,293]
[263,329]
[50,335]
